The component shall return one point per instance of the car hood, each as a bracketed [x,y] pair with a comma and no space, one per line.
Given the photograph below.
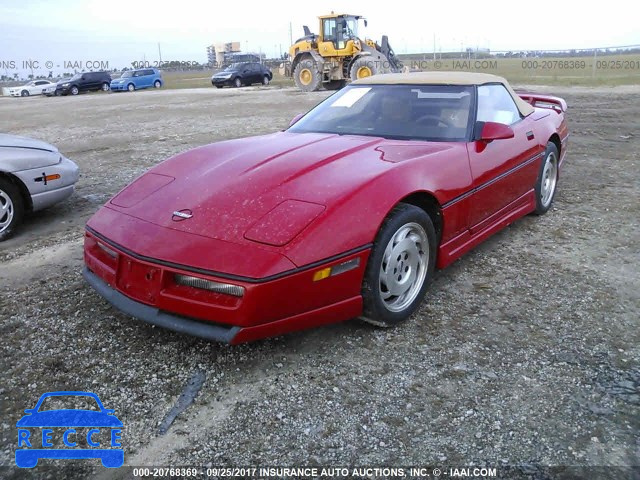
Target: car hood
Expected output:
[15,141]
[229,187]
[69,418]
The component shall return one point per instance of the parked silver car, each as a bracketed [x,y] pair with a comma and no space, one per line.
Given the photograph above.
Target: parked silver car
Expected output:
[33,175]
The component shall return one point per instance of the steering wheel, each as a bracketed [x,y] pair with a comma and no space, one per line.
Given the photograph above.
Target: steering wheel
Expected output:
[434,117]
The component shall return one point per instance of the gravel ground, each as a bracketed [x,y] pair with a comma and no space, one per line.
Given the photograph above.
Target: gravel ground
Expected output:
[525,352]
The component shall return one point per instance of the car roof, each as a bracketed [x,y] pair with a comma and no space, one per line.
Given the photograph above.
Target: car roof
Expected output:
[445,78]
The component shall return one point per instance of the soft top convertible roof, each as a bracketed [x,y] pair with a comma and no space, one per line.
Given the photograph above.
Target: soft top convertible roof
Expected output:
[445,78]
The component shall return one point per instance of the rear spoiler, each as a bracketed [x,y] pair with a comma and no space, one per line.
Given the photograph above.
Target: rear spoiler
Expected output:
[544,101]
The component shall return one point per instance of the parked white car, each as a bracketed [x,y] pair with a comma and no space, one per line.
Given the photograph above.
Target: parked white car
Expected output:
[35,87]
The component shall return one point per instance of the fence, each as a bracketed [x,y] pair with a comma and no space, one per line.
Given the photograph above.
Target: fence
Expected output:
[607,65]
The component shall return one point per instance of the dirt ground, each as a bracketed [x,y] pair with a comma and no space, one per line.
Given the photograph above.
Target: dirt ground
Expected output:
[526,352]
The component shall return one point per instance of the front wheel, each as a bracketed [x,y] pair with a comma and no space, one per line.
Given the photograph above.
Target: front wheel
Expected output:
[24,93]
[105,87]
[75,90]
[237,82]
[306,76]
[545,187]
[400,266]
[131,87]
[363,67]
[11,208]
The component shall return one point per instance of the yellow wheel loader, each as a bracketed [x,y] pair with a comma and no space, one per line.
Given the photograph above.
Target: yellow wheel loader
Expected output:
[337,55]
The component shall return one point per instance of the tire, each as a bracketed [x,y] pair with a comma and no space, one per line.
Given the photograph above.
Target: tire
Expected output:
[265,80]
[219,86]
[306,76]
[363,67]
[157,84]
[237,82]
[131,87]
[335,84]
[105,87]
[547,182]
[11,208]
[74,90]
[405,249]
[24,93]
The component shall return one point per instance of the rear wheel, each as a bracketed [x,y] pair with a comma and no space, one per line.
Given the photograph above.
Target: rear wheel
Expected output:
[11,208]
[400,266]
[306,76]
[265,80]
[547,180]
[219,86]
[131,87]
[363,67]
[105,87]
[157,84]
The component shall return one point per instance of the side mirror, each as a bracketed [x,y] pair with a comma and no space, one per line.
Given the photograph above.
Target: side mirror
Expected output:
[495,131]
[30,410]
[295,119]
[365,22]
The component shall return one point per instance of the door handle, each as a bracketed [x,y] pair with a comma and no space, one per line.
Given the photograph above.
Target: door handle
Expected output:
[530,135]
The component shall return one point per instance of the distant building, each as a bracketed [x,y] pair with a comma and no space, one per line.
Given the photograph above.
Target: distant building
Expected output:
[216,52]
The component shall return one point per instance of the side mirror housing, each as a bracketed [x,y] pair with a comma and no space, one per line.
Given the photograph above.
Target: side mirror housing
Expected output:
[495,131]
[295,119]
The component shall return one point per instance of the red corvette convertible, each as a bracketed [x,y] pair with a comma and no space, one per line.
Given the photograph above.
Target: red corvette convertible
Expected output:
[345,214]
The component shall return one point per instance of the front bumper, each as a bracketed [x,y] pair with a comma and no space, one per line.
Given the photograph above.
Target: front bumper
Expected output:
[221,82]
[118,87]
[270,307]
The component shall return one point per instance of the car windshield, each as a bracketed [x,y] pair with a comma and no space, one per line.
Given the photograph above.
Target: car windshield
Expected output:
[408,112]
[77,76]
[69,402]
[127,75]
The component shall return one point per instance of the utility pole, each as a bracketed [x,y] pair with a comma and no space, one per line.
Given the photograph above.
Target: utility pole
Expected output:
[434,46]
[159,53]
[290,34]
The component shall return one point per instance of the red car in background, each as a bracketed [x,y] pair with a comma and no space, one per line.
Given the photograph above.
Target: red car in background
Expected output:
[345,214]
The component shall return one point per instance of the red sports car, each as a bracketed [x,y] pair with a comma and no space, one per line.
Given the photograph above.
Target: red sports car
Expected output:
[345,214]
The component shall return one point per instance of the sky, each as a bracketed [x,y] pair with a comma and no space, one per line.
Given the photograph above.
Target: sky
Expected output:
[95,30]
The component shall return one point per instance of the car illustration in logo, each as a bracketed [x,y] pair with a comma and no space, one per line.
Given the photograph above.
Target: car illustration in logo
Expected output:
[63,433]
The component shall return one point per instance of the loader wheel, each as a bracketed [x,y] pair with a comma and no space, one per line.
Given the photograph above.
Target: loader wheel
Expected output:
[363,67]
[306,77]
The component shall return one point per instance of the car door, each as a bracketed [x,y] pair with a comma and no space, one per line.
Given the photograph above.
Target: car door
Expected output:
[146,78]
[87,82]
[257,73]
[503,170]
[38,87]
[247,74]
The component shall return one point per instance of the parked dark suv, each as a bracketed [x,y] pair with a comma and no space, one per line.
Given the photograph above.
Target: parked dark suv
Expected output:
[238,74]
[84,82]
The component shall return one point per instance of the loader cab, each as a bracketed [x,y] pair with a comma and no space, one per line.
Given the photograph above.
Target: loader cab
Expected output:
[335,33]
